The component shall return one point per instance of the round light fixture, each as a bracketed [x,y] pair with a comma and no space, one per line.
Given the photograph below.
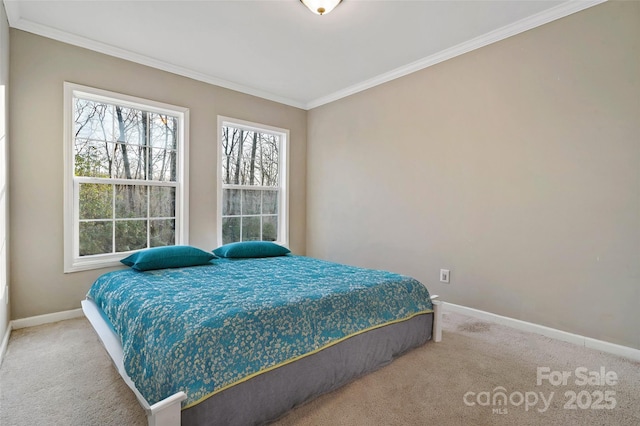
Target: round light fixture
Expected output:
[321,7]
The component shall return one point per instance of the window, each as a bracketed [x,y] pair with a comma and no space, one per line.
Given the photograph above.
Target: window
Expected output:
[252,194]
[125,176]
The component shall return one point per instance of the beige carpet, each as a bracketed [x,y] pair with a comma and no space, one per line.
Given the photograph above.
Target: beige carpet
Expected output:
[59,374]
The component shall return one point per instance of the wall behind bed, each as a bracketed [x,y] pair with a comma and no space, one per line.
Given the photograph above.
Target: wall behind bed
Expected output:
[39,66]
[517,166]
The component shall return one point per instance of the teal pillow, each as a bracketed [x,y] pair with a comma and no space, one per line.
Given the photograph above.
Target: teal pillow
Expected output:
[247,249]
[167,257]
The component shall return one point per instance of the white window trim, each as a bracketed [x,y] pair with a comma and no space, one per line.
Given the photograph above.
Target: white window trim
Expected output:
[72,260]
[283,212]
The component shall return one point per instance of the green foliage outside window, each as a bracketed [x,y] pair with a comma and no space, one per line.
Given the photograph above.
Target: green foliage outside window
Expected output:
[136,147]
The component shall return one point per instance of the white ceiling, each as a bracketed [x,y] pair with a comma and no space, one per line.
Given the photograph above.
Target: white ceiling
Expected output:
[279,50]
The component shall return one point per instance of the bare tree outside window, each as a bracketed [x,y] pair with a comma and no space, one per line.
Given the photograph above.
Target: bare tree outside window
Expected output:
[126,158]
[250,184]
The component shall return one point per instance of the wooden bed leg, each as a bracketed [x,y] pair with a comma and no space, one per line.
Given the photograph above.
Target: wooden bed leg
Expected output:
[437,320]
[167,411]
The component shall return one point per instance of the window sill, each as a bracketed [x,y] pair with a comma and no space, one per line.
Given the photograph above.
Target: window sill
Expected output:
[79,265]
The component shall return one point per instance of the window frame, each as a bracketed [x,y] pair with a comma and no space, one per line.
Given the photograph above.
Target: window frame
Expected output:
[73,262]
[283,164]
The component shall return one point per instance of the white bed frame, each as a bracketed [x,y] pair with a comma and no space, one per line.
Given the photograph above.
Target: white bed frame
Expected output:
[167,412]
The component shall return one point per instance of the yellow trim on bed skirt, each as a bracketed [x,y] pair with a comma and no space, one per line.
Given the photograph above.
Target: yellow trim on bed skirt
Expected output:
[289,361]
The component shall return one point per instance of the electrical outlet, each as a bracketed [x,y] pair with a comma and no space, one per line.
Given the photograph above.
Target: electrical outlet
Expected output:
[444,275]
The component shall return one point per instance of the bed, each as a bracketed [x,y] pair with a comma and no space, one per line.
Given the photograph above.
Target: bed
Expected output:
[242,341]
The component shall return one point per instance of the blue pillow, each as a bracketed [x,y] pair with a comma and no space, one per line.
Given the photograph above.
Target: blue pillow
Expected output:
[247,249]
[167,257]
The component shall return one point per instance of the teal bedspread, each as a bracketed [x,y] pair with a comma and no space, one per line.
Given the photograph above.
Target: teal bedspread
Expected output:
[205,328]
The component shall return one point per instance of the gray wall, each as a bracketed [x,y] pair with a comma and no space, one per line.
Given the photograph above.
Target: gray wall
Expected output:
[39,66]
[517,166]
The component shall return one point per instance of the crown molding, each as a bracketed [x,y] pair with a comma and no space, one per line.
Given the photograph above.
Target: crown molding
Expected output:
[12,8]
[549,15]
[17,22]
[507,31]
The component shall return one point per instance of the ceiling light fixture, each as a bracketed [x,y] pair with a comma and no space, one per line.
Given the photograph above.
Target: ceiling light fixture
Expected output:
[321,7]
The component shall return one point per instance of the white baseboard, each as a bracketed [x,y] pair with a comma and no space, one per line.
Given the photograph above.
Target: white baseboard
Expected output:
[46,319]
[553,333]
[5,342]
